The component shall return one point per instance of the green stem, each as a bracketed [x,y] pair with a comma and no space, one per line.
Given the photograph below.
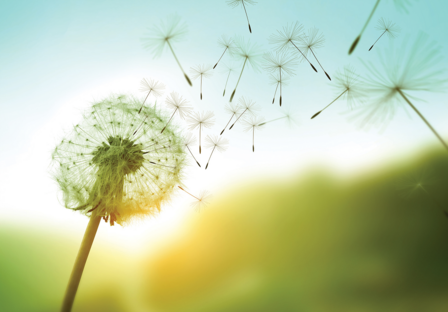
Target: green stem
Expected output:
[355,43]
[80,262]
[423,118]
[239,78]
[178,63]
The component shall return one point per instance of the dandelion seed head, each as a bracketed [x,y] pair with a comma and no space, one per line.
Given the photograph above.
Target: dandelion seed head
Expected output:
[155,87]
[177,102]
[204,119]
[410,68]
[275,78]
[349,82]
[246,50]
[235,3]
[169,31]
[392,30]
[228,67]
[201,70]
[248,105]
[274,62]
[414,183]
[233,108]
[189,139]
[103,169]
[226,42]
[314,39]
[252,122]
[290,33]
[218,142]
[202,200]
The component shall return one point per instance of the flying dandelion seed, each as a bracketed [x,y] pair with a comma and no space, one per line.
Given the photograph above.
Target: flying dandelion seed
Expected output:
[387,27]
[288,116]
[201,200]
[277,81]
[228,69]
[290,37]
[179,104]
[416,184]
[106,172]
[401,5]
[243,3]
[418,68]
[246,51]
[202,71]
[314,40]
[226,43]
[189,138]
[233,110]
[201,120]
[278,62]
[165,34]
[349,86]
[247,106]
[215,142]
[151,86]
[252,123]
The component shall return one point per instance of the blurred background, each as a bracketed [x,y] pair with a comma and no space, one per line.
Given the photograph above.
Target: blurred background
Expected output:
[322,217]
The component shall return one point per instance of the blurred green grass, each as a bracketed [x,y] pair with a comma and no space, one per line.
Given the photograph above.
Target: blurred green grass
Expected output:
[316,243]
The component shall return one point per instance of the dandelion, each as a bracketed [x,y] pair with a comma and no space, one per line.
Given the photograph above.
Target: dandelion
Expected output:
[151,86]
[399,4]
[233,110]
[349,86]
[228,70]
[203,71]
[276,63]
[188,140]
[201,200]
[165,34]
[235,3]
[410,69]
[314,40]
[201,120]
[287,116]
[179,104]
[215,142]
[387,27]
[290,37]
[252,123]
[226,43]
[246,106]
[106,172]
[417,183]
[248,52]
[277,81]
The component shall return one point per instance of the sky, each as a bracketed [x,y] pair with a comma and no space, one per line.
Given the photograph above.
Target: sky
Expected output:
[56,57]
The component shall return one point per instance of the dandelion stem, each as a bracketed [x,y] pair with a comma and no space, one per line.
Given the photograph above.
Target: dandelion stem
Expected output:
[263,123]
[237,119]
[210,156]
[247,17]
[303,55]
[273,100]
[239,78]
[193,155]
[188,193]
[201,86]
[200,128]
[355,43]
[253,139]
[423,118]
[140,126]
[377,39]
[225,86]
[178,63]
[169,120]
[328,76]
[315,115]
[280,86]
[227,124]
[80,262]
[220,57]
[144,101]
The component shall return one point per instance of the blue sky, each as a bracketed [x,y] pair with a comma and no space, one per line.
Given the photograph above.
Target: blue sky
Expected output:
[58,56]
